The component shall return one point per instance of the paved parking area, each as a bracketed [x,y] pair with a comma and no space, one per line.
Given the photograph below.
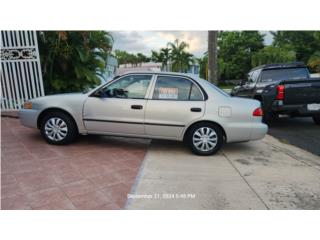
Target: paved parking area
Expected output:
[264,174]
[301,132]
[93,173]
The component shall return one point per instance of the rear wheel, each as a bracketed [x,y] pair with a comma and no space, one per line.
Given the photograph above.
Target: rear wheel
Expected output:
[205,139]
[268,117]
[58,128]
[316,119]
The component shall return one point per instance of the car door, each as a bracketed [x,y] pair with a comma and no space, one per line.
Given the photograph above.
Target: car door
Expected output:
[247,89]
[174,103]
[119,107]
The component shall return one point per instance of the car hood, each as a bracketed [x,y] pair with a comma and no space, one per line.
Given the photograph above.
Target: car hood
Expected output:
[59,100]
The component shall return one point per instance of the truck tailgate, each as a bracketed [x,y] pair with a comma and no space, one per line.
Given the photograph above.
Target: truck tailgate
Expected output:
[302,91]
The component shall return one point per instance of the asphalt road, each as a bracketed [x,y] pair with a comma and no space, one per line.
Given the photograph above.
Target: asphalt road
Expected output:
[301,132]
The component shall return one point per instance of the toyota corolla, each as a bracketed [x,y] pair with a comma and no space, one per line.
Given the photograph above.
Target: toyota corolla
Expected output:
[160,105]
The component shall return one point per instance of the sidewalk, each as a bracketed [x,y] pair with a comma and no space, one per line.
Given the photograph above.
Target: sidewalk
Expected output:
[264,174]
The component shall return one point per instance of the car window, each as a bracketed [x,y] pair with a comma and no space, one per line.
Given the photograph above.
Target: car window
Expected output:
[270,75]
[254,76]
[195,93]
[250,77]
[176,88]
[132,86]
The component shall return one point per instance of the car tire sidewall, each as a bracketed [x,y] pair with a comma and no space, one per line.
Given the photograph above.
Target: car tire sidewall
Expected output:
[72,128]
[194,128]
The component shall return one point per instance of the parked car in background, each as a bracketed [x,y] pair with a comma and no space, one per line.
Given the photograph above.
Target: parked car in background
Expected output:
[159,105]
[283,89]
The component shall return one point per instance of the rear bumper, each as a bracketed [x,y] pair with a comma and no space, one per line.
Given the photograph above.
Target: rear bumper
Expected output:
[29,117]
[295,109]
[259,130]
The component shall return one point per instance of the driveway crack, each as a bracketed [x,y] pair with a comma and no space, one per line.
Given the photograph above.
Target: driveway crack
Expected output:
[244,179]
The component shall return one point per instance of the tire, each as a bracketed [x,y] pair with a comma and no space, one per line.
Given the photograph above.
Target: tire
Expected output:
[58,128]
[199,140]
[316,119]
[268,117]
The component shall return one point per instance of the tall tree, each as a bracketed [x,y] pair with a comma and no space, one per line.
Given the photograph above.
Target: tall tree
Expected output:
[142,58]
[213,57]
[70,59]
[163,57]
[203,64]
[304,43]
[235,52]
[271,54]
[314,62]
[181,60]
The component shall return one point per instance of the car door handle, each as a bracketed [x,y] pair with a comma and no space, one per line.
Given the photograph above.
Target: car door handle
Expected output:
[195,109]
[138,107]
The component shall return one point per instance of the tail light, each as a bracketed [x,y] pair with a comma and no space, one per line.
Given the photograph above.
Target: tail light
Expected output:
[280,92]
[257,112]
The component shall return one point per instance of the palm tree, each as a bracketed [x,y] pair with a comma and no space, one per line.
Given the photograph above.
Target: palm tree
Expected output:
[162,57]
[181,60]
[165,56]
[142,58]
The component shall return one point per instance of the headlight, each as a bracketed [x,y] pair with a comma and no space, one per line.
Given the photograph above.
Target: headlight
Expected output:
[27,105]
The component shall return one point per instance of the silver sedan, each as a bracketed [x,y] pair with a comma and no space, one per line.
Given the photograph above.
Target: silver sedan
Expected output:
[160,105]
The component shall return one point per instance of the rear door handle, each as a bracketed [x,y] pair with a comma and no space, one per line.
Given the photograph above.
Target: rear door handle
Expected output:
[138,107]
[195,109]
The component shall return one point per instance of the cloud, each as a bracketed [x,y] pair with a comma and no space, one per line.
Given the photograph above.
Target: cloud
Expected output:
[145,41]
[128,41]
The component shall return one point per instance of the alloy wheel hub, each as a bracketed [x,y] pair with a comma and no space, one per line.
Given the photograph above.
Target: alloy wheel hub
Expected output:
[205,139]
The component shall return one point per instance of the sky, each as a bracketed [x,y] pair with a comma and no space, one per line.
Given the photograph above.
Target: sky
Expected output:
[145,41]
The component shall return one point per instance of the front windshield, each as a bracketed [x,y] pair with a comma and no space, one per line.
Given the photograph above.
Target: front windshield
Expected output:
[271,75]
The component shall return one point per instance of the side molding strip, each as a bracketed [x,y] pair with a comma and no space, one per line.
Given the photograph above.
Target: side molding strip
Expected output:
[146,123]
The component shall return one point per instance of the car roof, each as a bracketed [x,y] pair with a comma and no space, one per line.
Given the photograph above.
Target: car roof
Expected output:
[280,65]
[159,73]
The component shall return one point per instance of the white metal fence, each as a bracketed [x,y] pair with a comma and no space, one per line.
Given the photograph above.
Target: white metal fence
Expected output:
[21,77]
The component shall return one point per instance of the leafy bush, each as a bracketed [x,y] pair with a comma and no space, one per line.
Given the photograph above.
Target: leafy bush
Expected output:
[70,59]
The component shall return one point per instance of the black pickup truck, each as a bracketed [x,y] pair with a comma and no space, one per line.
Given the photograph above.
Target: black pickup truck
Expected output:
[285,89]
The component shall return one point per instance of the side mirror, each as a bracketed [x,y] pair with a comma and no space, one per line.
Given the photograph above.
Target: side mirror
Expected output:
[98,94]
[119,92]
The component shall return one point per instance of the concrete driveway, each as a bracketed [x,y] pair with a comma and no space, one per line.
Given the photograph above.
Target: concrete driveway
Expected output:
[265,174]
[92,173]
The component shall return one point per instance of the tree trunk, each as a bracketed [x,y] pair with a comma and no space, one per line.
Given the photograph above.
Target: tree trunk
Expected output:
[212,57]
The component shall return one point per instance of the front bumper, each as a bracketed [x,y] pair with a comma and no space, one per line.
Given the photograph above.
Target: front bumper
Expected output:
[259,130]
[29,117]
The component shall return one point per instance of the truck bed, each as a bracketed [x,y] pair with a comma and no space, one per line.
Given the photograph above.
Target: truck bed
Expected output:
[306,91]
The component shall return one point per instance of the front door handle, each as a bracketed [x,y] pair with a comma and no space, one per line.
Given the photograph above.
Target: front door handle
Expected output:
[137,107]
[195,109]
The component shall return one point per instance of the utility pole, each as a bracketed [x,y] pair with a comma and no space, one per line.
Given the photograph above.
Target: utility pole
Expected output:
[213,57]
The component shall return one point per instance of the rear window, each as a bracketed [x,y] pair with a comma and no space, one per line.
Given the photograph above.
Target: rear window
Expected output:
[270,75]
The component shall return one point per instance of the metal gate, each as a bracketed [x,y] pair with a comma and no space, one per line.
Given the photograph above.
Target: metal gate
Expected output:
[21,77]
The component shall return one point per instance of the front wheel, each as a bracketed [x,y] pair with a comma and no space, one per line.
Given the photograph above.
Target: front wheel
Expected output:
[205,139]
[58,128]
[316,119]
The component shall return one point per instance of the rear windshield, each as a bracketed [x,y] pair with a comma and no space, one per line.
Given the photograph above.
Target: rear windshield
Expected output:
[270,75]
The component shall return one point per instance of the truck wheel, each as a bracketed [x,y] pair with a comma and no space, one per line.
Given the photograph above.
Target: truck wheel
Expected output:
[204,139]
[316,119]
[268,117]
[58,128]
